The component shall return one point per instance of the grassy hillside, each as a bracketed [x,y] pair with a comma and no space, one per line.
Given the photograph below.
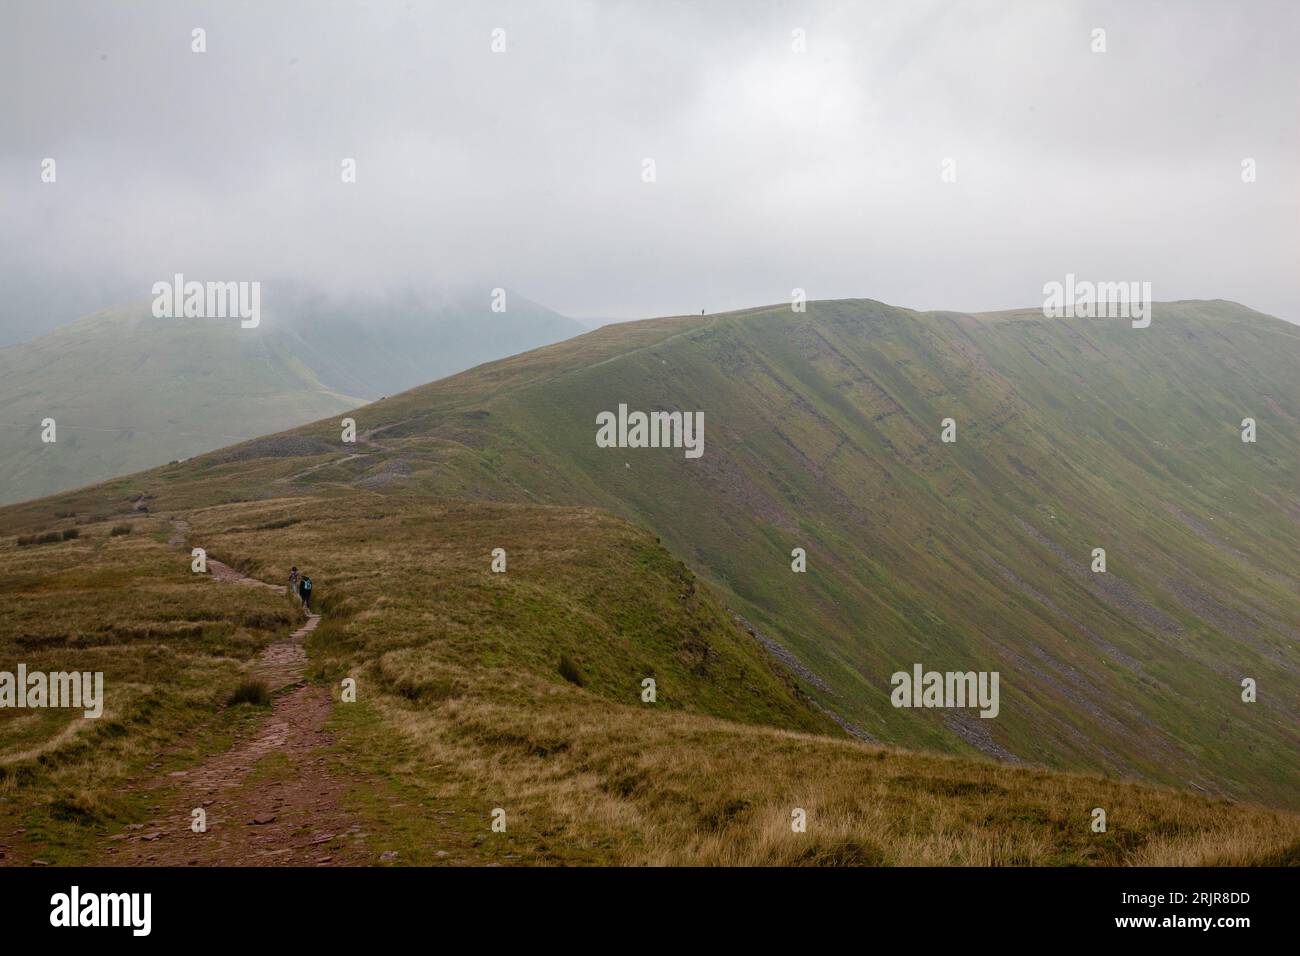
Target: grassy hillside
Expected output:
[170,644]
[129,391]
[463,705]
[521,690]
[822,432]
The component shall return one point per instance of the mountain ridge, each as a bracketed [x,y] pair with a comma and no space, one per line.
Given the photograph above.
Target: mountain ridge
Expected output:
[626,572]
[823,432]
[926,482]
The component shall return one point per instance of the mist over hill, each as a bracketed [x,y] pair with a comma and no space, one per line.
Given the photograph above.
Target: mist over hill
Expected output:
[381,343]
[128,390]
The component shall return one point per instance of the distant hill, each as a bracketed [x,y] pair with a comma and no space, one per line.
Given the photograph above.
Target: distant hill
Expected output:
[378,345]
[130,391]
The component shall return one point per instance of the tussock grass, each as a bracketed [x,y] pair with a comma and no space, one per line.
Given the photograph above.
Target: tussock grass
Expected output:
[658,788]
[466,704]
[171,646]
[569,671]
[253,692]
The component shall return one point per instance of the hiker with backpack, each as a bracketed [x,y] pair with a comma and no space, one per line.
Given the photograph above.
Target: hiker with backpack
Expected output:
[304,592]
[293,580]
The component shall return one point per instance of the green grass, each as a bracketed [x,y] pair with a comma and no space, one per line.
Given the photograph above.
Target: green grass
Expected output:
[822,433]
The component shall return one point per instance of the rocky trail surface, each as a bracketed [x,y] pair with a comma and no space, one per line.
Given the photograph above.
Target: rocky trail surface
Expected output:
[271,798]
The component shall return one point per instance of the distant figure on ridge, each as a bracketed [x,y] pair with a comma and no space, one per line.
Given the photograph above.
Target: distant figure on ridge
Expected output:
[304,592]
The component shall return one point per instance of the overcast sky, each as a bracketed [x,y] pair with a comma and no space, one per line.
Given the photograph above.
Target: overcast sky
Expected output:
[523,169]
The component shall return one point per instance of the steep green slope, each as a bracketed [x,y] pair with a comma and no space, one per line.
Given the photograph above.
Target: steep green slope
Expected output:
[413,610]
[822,432]
[463,705]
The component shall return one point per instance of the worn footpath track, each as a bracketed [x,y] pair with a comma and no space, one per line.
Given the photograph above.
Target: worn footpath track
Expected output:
[271,799]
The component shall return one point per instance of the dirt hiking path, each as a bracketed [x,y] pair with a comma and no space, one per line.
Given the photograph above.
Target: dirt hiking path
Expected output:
[287,812]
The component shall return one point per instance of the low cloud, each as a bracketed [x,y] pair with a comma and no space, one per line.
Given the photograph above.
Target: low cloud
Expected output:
[774,169]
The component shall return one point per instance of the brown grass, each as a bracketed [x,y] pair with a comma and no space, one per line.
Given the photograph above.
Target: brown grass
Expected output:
[462,702]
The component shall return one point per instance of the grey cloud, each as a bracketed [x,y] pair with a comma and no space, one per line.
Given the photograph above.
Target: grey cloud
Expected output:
[774,170]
